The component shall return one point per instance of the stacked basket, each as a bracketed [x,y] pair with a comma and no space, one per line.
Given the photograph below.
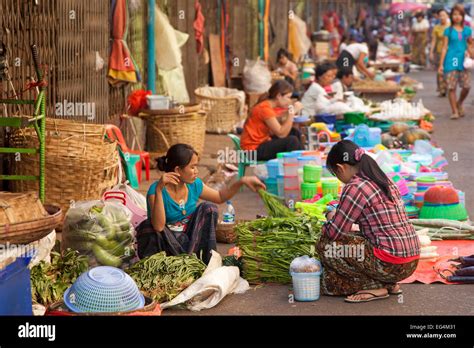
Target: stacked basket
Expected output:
[185,124]
[80,162]
[222,111]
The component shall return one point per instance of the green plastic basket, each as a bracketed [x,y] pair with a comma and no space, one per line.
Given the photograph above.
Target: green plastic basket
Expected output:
[354,118]
[312,173]
[308,190]
[443,211]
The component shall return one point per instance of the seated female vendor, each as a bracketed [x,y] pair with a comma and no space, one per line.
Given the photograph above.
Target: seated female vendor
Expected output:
[367,261]
[176,223]
[262,130]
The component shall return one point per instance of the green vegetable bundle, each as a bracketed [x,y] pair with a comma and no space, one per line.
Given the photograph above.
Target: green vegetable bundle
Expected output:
[274,205]
[101,230]
[49,281]
[163,277]
[269,245]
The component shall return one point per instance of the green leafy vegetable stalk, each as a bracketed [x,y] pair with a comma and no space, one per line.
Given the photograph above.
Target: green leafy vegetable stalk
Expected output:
[163,277]
[274,206]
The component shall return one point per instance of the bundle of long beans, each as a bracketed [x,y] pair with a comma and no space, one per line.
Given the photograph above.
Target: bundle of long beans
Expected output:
[274,205]
[163,277]
[269,245]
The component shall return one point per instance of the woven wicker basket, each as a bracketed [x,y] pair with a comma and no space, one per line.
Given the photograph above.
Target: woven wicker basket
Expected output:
[222,112]
[165,130]
[12,207]
[225,233]
[67,129]
[75,169]
[31,231]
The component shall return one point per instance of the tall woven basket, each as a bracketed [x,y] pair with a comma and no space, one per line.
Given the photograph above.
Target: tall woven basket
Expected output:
[80,163]
[222,112]
[181,125]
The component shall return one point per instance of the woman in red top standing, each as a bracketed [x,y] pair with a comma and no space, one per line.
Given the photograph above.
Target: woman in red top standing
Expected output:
[262,130]
[365,261]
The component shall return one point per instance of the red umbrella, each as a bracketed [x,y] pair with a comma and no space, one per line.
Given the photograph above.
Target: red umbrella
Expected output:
[396,8]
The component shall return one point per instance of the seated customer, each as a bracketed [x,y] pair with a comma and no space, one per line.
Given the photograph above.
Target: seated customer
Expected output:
[262,130]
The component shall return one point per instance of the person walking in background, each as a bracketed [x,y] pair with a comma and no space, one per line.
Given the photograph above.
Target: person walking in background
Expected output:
[436,49]
[420,39]
[457,43]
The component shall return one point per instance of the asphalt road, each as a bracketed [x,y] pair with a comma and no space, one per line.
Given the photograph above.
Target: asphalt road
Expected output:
[457,139]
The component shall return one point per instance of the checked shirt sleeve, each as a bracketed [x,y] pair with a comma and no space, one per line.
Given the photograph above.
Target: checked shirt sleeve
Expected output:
[351,205]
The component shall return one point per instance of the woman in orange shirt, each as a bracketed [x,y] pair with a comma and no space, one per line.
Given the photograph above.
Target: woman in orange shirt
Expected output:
[262,131]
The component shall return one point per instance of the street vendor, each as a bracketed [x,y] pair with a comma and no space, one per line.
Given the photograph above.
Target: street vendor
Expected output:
[286,67]
[343,83]
[355,53]
[263,132]
[371,219]
[176,223]
[319,97]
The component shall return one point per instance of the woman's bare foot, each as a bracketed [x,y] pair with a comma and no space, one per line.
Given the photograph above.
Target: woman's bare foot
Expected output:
[367,295]
[460,110]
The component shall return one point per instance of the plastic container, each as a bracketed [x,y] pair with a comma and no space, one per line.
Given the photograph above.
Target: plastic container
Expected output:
[354,118]
[330,187]
[290,181]
[104,289]
[15,288]
[290,169]
[303,160]
[281,185]
[308,190]
[158,102]
[326,118]
[280,162]
[306,286]
[292,195]
[300,176]
[462,197]
[290,158]
[423,183]
[311,173]
[272,185]
[272,168]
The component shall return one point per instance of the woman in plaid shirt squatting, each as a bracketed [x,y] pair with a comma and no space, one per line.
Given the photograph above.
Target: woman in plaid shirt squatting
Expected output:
[365,262]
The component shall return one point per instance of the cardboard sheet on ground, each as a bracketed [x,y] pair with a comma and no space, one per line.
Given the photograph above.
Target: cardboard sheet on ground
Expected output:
[216,283]
[447,249]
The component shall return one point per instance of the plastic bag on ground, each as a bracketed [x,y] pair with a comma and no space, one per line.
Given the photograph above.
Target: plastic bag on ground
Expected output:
[102,231]
[216,282]
[136,197]
[305,264]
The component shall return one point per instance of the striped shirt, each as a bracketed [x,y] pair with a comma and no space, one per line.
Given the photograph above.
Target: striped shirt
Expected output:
[382,221]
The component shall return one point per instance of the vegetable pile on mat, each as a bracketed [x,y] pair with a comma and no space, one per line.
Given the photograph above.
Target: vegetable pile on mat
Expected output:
[49,281]
[464,272]
[163,277]
[442,229]
[269,244]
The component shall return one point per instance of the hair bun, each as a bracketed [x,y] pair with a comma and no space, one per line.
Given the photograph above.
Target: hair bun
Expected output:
[161,161]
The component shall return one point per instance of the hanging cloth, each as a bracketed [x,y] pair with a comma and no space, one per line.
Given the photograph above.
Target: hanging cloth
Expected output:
[198,26]
[261,30]
[122,68]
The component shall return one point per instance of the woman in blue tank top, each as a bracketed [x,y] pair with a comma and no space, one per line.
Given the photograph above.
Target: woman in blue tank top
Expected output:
[176,223]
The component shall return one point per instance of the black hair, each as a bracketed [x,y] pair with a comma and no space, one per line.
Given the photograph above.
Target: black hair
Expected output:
[279,87]
[323,68]
[178,155]
[344,72]
[419,14]
[283,53]
[344,152]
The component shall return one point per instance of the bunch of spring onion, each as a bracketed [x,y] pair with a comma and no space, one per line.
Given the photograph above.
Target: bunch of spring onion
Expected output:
[442,229]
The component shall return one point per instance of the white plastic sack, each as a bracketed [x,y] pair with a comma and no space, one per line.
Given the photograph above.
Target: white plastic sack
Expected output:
[216,282]
[257,78]
[41,250]
[135,196]
[305,264]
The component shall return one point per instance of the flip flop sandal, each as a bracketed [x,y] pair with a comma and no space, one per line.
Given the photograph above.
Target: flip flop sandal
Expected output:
[373,298]
[454,117]
[398,292]
[460,111]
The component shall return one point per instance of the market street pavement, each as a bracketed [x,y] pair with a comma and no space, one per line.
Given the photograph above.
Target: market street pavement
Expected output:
[457,139]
